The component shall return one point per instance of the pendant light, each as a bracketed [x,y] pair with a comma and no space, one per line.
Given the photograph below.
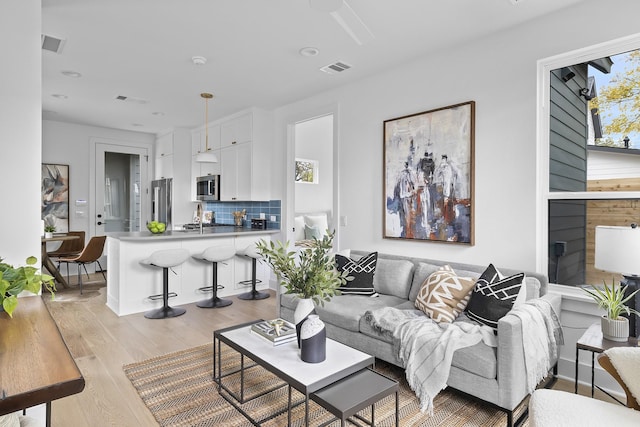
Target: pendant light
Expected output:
[207,156]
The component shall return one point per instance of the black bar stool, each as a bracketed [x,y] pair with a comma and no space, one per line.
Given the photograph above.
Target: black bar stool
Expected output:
[251,252]
[165,259]
[214,255]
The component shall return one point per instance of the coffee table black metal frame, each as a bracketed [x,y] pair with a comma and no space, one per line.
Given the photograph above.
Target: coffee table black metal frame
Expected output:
[304,377]
[593,341]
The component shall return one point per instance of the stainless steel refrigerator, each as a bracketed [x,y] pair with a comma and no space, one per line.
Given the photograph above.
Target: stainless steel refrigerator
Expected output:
[161,199]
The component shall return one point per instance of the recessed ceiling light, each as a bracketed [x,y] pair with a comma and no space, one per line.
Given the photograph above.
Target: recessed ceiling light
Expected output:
[158,113]
[59,96]
[199,60]
[309,51]
[73,74]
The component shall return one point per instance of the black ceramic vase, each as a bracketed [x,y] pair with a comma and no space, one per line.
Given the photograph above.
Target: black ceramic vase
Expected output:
[313,340]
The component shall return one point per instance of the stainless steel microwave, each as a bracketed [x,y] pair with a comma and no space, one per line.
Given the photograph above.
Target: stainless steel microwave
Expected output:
[208,187]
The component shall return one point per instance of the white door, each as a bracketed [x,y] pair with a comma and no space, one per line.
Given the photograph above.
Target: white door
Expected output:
[121,188]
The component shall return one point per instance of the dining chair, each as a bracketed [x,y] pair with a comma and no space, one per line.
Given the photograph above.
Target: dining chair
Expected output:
[68,248]
[90,254]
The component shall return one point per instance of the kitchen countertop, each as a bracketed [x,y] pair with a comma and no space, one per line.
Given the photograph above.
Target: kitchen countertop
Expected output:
[216,231]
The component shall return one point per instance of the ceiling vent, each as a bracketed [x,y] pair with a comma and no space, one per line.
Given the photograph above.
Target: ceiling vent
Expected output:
[131,99]
[336,67]
[52,44]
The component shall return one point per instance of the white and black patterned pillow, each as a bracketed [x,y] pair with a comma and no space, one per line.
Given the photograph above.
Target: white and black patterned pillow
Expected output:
[493,296]
[361,271]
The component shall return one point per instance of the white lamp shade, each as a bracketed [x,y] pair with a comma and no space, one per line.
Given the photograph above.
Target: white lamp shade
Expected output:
[618,249]
[206,157]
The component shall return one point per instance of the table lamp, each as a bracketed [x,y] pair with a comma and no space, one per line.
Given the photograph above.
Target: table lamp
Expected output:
[618,251]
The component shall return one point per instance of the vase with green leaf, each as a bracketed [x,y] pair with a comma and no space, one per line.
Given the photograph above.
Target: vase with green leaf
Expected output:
[14,280]
[309,273]
[612,299]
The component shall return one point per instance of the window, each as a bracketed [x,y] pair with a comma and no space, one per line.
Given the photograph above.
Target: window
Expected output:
[306,171]
[590,155]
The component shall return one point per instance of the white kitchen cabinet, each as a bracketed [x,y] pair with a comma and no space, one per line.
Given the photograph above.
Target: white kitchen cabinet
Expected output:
[243,144]
[199,140]
[164,167]
[236,131]
[236,171]
[164,156]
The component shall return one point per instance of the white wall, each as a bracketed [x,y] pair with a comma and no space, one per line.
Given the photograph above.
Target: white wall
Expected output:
[499,73]
[20,129]
[70,144]
[314,141]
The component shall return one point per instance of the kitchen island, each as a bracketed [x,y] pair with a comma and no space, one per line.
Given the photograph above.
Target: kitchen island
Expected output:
[129,283]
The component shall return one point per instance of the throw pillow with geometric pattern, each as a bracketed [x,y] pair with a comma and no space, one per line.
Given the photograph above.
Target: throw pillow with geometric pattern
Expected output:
[361,271]
[493,296]
[444,295]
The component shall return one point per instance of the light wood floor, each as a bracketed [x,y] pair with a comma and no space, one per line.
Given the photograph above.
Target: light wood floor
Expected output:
[101,343]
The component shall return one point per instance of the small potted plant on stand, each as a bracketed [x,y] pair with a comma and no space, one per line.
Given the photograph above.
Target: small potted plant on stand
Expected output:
[611,298]
[49,226]
[14,280]
[310,274]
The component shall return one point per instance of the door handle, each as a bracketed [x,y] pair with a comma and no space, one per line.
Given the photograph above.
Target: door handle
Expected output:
[99,222]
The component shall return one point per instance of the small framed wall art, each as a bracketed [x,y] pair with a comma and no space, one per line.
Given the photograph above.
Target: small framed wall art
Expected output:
[428,175]
[55,196]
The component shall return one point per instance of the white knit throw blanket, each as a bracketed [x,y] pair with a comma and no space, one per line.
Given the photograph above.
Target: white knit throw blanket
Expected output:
[626,360]
[541,334]
[426,348]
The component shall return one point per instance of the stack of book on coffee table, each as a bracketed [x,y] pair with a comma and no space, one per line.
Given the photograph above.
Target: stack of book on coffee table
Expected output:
[276,331]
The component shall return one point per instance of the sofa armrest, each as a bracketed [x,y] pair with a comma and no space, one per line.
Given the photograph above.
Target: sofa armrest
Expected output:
[512,380]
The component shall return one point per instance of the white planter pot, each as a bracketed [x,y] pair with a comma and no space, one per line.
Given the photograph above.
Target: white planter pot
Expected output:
[48,235]
[615,329]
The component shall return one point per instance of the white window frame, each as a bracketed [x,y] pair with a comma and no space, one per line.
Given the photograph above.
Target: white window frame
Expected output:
[544,68]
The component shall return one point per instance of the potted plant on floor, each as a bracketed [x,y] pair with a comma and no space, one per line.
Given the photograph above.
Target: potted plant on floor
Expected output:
[14,280]
[309,273]
[612,299]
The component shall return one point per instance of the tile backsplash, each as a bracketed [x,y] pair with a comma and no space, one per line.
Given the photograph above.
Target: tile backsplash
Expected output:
[254,209]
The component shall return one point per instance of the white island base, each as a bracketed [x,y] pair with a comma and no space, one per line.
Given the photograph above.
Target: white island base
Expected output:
[129,283]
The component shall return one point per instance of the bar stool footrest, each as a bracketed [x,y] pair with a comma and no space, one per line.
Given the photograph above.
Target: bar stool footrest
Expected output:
[160,296]
[249,282]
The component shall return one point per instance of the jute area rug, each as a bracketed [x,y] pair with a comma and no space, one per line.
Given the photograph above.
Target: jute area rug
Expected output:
[179,390]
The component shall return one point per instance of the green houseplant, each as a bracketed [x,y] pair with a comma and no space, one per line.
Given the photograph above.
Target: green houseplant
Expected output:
[612,300]
[14,280]
[313,276]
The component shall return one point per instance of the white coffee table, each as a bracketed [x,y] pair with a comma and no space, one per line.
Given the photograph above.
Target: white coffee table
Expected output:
[284,362]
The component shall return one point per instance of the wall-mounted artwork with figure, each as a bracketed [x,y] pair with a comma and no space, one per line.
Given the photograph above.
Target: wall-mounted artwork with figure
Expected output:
[55,196]
[428,175]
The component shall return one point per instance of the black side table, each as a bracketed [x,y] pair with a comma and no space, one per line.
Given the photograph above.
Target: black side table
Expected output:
[593,341]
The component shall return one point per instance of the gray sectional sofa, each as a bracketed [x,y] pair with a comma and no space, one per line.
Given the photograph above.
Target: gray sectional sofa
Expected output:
[494,375]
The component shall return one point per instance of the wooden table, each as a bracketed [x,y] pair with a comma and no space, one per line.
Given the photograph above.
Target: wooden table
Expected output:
[35,362]
[593,341]
[46,261]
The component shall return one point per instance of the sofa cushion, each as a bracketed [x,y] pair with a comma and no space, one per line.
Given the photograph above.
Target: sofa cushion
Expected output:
[345,311]
[361,271]
[393,277]
[493,296]
[444,295]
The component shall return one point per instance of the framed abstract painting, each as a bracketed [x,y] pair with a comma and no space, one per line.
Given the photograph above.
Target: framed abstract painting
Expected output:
[55,196]
[428,175]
